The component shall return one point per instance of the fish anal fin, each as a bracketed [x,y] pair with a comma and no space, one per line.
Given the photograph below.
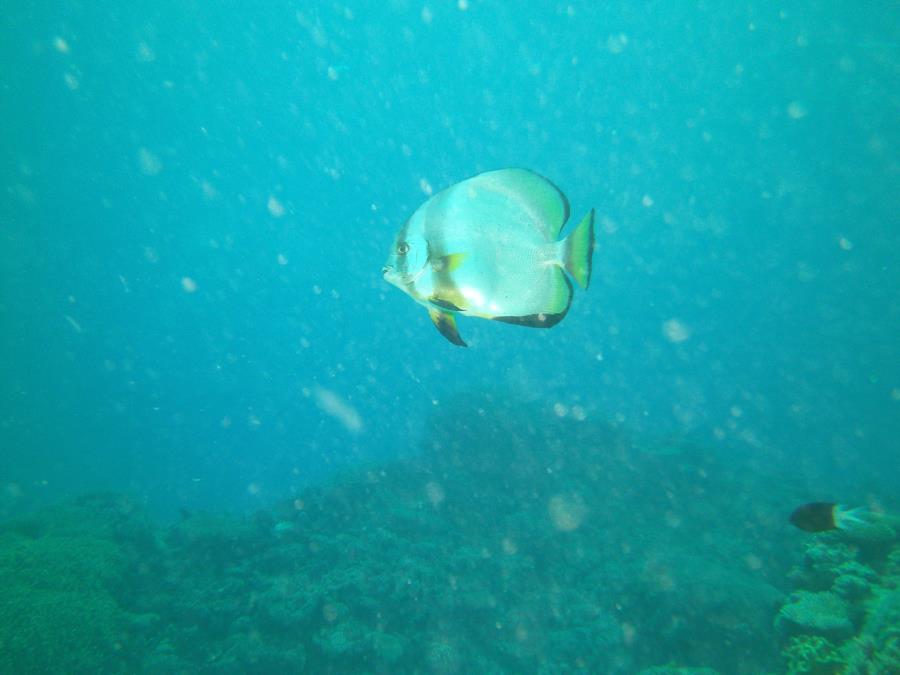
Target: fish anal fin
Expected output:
[533,320]
[445,322]
[543,319]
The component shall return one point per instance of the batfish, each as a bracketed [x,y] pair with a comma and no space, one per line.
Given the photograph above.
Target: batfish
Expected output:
[490,247]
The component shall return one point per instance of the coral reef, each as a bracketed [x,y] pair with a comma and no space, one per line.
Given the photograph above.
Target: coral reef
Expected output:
[520,543]
[63,573]
[818,613]
[845,617]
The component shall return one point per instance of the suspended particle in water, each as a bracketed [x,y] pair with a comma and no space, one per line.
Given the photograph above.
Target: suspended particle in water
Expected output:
[796,110]
[675,331]
[276,209]
[615,44]
[73,323]
[209,190]
[145,53]
[149,163]
[567,512]
[435,493]
[332,404]
[71,81]
[189,285]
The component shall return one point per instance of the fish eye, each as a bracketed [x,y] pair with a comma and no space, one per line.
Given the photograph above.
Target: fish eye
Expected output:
[402,248]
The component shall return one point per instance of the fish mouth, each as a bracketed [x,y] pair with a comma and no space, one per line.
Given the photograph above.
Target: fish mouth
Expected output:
[393,276]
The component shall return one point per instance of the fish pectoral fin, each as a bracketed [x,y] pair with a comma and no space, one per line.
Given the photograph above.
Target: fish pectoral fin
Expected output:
[445,322]
[452,261]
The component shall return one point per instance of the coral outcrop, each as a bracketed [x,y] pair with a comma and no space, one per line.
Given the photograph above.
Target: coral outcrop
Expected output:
[845,617]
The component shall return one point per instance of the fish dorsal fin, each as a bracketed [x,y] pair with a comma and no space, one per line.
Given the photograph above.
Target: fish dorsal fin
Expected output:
[541,201]
[445,322]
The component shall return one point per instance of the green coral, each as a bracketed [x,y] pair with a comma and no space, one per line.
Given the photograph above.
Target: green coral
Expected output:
[818,613]
[677,670]
[814,655]
[822,562]
[844,599]
[57,611]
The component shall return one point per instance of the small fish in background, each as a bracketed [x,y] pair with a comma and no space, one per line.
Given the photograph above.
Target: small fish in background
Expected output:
[489,247]
[825,516]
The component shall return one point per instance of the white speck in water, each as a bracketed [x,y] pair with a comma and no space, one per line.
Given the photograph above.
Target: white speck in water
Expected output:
[675,331]
[567,512]
[845,244]
[425,186]
[145,53]
[189,285]
[75,325]
[333,405]
[71,81]
[647,201]
[427,16]
[60,45]
[282,259]
[209,191]
[435,493]
[463,5]
[149,163]
[616,43]
[275,207]
[796,110]
[560,409]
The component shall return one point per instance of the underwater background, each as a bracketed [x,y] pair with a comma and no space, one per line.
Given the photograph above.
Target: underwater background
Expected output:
[227,445]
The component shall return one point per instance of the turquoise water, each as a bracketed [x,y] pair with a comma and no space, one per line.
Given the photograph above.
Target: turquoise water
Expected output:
[201,364]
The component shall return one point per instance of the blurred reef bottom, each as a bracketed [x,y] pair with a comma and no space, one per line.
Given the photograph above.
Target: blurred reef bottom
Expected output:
[517,541]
